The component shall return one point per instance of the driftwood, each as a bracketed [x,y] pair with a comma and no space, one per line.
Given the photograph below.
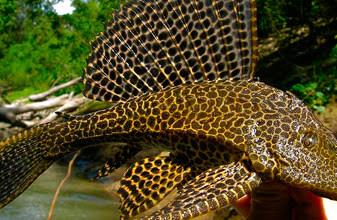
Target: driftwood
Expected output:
[4,98]
[44,95]
[10,117]
[50,103]
[8,113]
[71,104]
[35,113]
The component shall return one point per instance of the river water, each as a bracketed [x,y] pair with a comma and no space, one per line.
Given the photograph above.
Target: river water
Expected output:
[79,199]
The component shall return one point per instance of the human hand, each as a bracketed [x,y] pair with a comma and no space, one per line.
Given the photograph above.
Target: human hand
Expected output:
[276,201]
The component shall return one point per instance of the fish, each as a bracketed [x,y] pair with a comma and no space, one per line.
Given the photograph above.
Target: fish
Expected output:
[181,76]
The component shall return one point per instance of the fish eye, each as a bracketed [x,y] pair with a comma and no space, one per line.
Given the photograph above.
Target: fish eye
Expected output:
[309,139]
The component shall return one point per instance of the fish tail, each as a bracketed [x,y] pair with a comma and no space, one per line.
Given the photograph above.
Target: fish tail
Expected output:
[26,155]
[22,160]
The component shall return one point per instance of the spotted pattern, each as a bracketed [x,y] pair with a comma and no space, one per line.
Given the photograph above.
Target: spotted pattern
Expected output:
[209,125]
[120,158]
[164,63]
[152,45]
[147,182]
[210,190]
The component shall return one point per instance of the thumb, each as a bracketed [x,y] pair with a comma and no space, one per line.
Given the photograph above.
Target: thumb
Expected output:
[270,200]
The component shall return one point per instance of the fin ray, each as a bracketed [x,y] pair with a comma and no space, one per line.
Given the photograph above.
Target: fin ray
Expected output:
[21,164]
[209,191]
[147,182]
[155,45]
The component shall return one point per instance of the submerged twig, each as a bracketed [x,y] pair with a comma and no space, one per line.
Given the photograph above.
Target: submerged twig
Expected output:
[50,215]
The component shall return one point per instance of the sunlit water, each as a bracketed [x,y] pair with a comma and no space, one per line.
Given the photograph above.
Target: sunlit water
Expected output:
[78,199]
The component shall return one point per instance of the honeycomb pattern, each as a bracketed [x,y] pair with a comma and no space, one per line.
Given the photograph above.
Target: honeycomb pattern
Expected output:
[147,182]
[225,136]
[152,45]
[209,191]
[218,123]
[120,158]
[244,126]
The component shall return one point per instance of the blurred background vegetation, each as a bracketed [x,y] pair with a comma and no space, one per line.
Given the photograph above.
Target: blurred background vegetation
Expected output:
[39,48]
[306,60]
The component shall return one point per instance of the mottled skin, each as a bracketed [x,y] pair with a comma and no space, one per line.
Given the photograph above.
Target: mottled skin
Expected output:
[246,126]
[181,72]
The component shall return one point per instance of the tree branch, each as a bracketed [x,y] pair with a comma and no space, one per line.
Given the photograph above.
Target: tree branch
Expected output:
[70,105]
[44,95]
[50,103]
[52,207]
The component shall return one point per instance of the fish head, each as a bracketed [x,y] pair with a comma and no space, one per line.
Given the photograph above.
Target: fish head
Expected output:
[292,146]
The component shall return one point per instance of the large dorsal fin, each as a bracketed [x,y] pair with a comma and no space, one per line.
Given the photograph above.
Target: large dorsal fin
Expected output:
[151,45]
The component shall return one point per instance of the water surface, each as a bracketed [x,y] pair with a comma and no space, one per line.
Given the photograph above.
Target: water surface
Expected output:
[79,199]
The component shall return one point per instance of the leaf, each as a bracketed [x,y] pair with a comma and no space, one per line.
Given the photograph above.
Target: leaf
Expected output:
[298,87]
[333,52]
[319,108]
[311,86]
[321,96]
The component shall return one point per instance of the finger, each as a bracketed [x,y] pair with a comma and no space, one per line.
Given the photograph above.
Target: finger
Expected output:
[242,205]
[270,200]
[308,206]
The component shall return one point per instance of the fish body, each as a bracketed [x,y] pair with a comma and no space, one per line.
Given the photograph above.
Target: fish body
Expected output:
[181,76]
[205,126]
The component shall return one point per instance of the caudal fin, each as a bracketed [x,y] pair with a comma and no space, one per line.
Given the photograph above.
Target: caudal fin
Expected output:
[21,162]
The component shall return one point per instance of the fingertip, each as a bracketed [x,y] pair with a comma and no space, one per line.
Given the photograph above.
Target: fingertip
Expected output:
[308,205]
[243,205]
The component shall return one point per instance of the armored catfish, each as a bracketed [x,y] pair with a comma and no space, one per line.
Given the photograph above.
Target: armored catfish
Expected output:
[181,76]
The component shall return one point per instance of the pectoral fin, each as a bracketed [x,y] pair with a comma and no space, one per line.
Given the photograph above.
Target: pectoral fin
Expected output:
[147,182]
[120,158]
[211,190]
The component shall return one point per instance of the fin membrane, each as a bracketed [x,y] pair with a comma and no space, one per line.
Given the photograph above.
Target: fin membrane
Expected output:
[151,45]
[22,160]
[147,182]
[210,190]
[120,158]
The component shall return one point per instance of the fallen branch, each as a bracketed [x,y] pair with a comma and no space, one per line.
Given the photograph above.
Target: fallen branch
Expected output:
[10,117]
[68,106]
[50,103]
[44,95]
[52,207]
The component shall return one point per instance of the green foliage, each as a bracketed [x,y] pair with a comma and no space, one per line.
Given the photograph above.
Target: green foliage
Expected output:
[275,15]
[271,16]
[318,84]
[333,53]
[316,90]
[39,47]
